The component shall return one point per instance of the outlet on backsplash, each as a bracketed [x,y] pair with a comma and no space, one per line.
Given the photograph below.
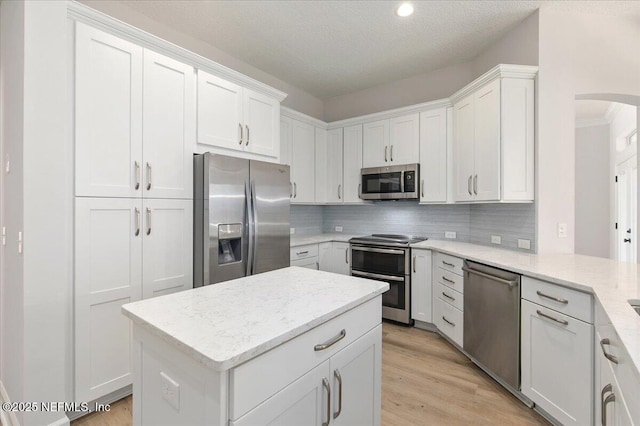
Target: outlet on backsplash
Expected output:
[338,228]
[450,234]
[524,244]
[496,239]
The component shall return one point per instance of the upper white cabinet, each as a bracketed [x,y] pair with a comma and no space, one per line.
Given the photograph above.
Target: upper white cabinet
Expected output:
[237,119]
[352,163]
[334,175]
[302,162]
[434,159]
[108,118]
[390,142]
[493,137]
[134,118]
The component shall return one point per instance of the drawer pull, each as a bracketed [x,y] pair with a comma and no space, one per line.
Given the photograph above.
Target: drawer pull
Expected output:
[300,253]
[330,342]
[447,296]
[325,384]
[448,280]
[338,376]
[448,322]
[448,264]
[555,299]
[542,314]
[612,358]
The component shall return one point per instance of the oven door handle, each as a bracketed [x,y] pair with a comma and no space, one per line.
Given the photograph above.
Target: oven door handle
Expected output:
[377,250]
[378,276]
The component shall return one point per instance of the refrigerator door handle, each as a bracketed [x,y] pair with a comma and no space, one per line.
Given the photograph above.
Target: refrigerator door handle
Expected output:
[254,257]
[250,222]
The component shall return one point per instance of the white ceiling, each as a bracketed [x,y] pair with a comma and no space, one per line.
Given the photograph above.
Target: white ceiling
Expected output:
[329,48]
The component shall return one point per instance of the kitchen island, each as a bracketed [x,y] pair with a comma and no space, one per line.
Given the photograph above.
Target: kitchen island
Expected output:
[291,346]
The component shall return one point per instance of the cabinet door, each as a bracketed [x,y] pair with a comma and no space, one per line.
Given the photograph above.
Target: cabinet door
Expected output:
[404,139]
[375,144]
[302,403]
[262,124]
[108,274]
[557,346]
[486,180]
[309,263]
[108,115]
[433,156]
[325,261]
[352,163]
[463,161]
[286,129]
[340,258]
[356,381]
[168,246]
[322,166]
[169,127]
[335,188]
[421,285]
[220,120]
[303,163]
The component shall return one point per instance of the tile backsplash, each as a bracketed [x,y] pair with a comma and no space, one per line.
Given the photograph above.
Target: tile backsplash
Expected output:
[471,223]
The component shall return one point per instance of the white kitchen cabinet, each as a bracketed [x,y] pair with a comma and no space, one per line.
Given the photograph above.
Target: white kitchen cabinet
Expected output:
[493,137]
[391,142]
[433,156]
[135,120]
[126,249]
[108,274]
[334,167]
[325,252]
[169,127]
[421,285]
[167,247]
[557,363]
[302,162]
[352,163]
[286,134]
[321,166]
[236,119]
[341,258]
[108,115]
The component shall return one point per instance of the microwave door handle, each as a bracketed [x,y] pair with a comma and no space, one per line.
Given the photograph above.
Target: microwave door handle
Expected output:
[402,181]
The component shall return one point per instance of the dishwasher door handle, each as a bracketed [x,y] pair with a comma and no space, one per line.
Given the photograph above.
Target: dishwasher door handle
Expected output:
[510,283]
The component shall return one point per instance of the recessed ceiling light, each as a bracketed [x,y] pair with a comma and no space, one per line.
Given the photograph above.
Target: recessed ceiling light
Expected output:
[405,9]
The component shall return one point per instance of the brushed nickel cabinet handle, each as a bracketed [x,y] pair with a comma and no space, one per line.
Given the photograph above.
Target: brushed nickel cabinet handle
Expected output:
[469,185]
[422,188]
[317,266]
[241,134]
[137,173]
[391,152]
[448,322]
[448,280]
[248,135]
[339,192]
[359,190]
[290,190]
[385,154]
[295,190]
[346,255]
[148,221]
[555,299]
[603,403]
[448,264]
[300,253]
[148,176]
[325,384]
[475,184]
[447,296]
[607,400]
[542,314]
[330,342]
[612,358]
[414,264]
[137,212]
[338,376]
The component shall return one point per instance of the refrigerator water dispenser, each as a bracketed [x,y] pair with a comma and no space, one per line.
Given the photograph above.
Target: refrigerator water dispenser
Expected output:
[229,243]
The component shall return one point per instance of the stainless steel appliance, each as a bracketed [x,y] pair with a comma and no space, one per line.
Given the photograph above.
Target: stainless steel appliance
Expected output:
[241,218]
[492,321]
[387,258]
[390,182]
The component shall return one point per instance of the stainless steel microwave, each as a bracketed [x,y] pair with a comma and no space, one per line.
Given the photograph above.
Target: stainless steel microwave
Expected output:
[390,182]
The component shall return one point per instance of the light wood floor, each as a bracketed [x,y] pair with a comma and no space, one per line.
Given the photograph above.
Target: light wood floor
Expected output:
[425,381]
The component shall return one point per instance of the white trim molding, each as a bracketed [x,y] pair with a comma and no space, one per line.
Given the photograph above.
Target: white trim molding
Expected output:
[82,13]
[296,115]
[499,71]
[591,122]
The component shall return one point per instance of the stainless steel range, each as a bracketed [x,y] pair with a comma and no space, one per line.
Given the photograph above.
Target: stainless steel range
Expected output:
[387,258]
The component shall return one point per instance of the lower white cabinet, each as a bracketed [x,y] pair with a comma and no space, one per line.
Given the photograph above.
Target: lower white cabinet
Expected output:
[557,363]
[335,257]
[421,285]
[449,320]
[124,249]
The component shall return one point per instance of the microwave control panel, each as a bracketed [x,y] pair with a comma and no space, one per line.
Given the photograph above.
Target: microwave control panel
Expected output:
[410,181]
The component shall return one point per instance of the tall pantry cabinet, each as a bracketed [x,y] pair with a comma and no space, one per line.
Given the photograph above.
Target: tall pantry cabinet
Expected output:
[134,138]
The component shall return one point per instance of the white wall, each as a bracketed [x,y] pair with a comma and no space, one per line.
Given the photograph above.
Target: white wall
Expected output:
[592,177]
[297,99]
[36,326]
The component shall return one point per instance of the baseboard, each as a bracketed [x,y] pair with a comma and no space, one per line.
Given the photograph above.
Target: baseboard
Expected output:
[8,418]
[107,399]
[425,326]
[61,422]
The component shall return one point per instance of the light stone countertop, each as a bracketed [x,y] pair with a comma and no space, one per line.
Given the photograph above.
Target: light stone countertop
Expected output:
[226,324]
[613,283]
[321,238]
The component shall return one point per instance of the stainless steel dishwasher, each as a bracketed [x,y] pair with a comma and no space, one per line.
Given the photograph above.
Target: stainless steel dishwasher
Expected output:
[492,320]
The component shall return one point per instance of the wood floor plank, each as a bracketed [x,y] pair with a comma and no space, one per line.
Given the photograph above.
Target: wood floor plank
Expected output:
[425,381]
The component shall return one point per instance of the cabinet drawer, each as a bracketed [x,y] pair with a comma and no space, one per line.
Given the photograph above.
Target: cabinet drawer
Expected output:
[449,320]
[450,296]
[309,263]
[256,380]
[449,263]
[449,279]
[302,252]
[570,302]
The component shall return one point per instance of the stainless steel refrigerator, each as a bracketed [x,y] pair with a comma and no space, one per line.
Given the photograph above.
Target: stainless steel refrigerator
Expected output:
[241,218]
